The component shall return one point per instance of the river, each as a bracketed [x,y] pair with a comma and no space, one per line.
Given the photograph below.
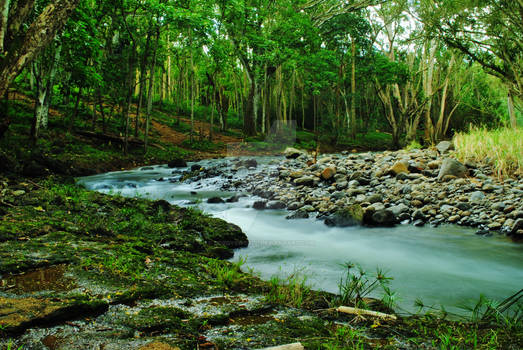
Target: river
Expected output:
[446,265]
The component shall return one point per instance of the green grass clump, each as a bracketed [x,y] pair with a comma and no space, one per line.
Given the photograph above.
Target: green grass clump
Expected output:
[292,290]
[503,148]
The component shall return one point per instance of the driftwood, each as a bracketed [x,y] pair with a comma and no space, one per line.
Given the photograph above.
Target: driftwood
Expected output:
[294,346]
[357,311]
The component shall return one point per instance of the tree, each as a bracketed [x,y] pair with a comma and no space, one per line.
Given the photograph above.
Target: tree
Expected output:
[19,46]
[489,32]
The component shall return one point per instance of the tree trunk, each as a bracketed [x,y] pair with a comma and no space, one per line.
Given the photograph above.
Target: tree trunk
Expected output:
[150,93]
[44,93]
[353,93]
[511,112]
[4,12]
[25,49]
[130,89]
[143,80]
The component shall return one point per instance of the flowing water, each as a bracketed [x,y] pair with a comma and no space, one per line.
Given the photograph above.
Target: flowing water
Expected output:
[447,265]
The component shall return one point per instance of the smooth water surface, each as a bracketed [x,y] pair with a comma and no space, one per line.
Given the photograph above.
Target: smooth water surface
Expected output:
[448,265]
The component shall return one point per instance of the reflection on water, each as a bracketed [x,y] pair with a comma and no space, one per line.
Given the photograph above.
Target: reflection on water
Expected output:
[447,265]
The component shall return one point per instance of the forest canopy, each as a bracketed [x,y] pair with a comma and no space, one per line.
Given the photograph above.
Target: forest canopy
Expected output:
[415,69]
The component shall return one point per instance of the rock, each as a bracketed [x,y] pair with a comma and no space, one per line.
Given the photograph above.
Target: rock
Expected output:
[375,198]
[518,226]
[338,195]
[304,181]
[418,215]
[215,200]
[463,206]
[476,197]
[196,167]
[399,209]
[399,167]
[349,216]
[499,206]
[177,163]
[444,147]
[298,214]
[384,217]
[259,205]
[435,164]
[402,176]
[276,205]
[233,199]
[452,167]
[494,226]
[295,205]
[292,153]
[328,173]
[250,163]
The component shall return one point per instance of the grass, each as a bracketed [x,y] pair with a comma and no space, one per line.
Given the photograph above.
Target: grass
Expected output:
[502,148]
[291,290]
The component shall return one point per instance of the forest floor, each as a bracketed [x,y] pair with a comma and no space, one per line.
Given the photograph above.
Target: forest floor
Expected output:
[80,270]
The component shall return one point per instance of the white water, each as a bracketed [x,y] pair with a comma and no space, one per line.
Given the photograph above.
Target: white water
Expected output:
[448,265]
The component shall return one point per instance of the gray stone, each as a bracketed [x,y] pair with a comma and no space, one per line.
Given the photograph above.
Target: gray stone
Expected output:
[476,197]
[418,215]
[499,206]
[444,147]
[452,167]
[295,205]
[276,205]
[518,225]
[305,181]
[384,217]
[292,153]
[375,198]
[349,216]
[298,214]
[399,209]
[259,205]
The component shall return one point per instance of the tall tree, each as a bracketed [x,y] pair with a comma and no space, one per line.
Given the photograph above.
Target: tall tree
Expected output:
[20,46]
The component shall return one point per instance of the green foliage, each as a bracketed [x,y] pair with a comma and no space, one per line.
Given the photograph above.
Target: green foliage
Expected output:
[357,285]
[291,290]
[227,274]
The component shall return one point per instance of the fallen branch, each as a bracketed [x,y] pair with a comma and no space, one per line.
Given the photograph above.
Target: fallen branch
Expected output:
[357,311]
[294,346]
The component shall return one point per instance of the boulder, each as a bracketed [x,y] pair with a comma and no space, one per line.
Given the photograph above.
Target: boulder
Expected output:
[399,167]
[304,181]
[215,200]
[276,205]
[349,216]
[399,209]
[177,163]
[298,214]
[452,167]
[328,173]
[384,217]
[476,197]
[195,167]
[259,205]
[517,227]
[292,153]
[444,147]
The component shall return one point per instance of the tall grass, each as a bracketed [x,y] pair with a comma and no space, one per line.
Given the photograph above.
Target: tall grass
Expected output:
[502,148]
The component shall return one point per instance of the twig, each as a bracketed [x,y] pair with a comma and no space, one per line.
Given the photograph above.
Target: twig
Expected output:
[358,311]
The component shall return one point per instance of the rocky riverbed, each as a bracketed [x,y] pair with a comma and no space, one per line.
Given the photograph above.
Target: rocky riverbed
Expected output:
[420,187]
